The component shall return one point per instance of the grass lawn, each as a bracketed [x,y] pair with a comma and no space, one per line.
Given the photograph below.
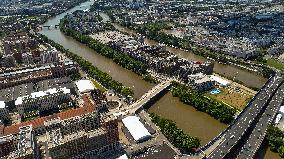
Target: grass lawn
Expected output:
[99,86]
[65,109]
[276,64]
[30,118]
[234,99]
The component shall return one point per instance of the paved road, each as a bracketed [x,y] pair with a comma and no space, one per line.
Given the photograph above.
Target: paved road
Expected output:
[257,136]
[247,118]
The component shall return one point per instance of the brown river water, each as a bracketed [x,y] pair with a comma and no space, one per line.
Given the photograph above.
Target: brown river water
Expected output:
[187,118]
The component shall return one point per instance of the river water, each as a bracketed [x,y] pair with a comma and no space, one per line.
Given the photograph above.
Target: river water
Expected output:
[250,79]
[191,121]
[118,73]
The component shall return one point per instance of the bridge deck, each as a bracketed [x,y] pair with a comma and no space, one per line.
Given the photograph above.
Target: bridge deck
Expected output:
[257,136]
[247,118]
[149,95]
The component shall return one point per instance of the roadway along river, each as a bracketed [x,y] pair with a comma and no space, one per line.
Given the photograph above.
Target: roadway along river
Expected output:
[191,121]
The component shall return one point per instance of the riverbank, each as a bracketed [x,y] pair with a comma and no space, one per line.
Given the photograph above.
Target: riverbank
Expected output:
[249,79]
[154,31]
[141,69]
[175,135]
[93,71]
[218,110]
[188,119]
[120,58]
[99,42]
[191,121]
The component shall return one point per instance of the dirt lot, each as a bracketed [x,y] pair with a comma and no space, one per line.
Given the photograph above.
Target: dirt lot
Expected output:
[122,137]
[108,36]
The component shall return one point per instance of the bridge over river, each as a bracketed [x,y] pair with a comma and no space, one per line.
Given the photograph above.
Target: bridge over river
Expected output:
[244,136]
[49,26]
[150,95]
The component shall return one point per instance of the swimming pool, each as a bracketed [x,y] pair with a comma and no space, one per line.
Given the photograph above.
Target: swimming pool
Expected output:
[215,91]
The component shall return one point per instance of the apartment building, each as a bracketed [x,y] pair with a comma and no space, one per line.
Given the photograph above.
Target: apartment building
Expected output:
[18,145]
[84,143]
[54,137]
[35,74]
[83,130]
[43,100]
[4,112]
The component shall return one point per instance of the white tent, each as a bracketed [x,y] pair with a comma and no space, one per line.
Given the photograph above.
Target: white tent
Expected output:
[2,104]
[219,80]
[281,110]
[136,128]
[123,157]
[84,86]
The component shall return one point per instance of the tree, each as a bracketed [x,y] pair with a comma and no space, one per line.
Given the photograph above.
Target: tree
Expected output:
[281,151]
[212,107]
[175,134]
[93,71]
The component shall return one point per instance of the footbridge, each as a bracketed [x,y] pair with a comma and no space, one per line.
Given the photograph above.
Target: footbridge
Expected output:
[149,96]
[49,26]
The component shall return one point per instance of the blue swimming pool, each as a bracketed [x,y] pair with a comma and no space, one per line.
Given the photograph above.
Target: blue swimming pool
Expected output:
[215,91]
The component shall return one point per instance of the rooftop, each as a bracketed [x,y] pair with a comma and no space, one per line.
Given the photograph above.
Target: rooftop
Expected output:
[219,80]
[2,104]
[136,128]
[88,108]
[84,86]
[39,94]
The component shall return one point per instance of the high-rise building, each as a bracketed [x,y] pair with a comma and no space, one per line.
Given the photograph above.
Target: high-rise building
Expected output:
[27,58]
[50,56]
[18,145]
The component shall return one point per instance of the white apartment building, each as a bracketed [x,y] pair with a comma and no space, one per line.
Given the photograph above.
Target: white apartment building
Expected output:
[43,100]
[4,113]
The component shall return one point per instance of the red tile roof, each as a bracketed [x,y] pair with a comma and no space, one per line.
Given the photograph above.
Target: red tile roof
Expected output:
[88,108]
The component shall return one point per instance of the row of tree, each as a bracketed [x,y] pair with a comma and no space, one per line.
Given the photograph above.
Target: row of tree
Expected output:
[275,139]
[214,108]
[104,78]
[154,31]
[118,57]
[175,135]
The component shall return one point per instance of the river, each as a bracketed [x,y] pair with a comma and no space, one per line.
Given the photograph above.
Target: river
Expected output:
[250,79]
[118,73]
[191,121]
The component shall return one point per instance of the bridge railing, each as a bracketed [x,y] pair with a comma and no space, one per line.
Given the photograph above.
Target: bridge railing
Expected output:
[211,142]
[265,132]
[151,96]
